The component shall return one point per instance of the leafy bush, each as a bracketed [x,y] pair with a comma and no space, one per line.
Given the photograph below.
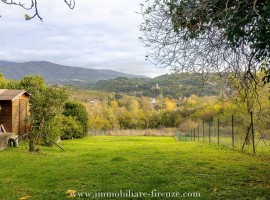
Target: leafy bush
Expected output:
[71,128]
[53,131]
[78,123]
[187,125]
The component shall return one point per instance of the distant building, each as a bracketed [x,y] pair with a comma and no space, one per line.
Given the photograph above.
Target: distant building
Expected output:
[14,110]
[156,87]
[153,101]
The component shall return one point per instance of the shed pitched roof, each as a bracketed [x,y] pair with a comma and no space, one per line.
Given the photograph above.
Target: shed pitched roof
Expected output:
[6,95]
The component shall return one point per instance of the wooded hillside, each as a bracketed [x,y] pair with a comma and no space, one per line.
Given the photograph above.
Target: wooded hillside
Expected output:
[169,85]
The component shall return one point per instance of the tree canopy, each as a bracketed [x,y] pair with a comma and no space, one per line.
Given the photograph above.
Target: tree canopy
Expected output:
[32,5]
[203,36]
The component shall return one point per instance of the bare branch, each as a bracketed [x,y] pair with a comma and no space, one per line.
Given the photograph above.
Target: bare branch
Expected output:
[70,3]
[33,7]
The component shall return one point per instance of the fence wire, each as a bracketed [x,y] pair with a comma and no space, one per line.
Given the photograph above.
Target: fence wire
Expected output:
[239,132]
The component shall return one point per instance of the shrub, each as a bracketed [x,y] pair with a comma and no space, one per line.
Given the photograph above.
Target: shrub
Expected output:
[187,125]
[71,128]
[79,114]
[52,131]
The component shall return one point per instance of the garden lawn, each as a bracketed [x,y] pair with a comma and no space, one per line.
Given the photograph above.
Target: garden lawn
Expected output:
[136,164]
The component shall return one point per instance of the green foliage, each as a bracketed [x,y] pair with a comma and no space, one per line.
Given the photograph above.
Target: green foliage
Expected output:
[13,84]
[46,107]
[2,81]
[141,113]
[78,112]
[71,128]
[266,78]
[45,110]
[8,84]
[242,22]
[52,131]
[33,84]
[99,123]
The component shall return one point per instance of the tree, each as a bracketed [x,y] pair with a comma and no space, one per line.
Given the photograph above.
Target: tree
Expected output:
[33,6]
[170,104]
[6,83]
[3,81]
[224,36]
[33,84]
[45,108]
[46,105]
[114,104]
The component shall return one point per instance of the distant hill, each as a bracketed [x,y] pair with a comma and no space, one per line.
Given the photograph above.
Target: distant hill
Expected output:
[170,85]
[55,73]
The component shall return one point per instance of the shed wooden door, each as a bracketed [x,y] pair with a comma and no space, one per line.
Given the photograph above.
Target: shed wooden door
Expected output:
[23,111]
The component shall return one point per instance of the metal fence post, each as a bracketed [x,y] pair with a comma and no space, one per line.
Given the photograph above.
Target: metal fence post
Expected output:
[194,134]
[203,130]
[252,131]
[209,131]
[218,131]
[198,132]
[232,131]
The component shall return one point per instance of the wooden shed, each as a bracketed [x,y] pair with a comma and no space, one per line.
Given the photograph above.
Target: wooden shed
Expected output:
[14,110]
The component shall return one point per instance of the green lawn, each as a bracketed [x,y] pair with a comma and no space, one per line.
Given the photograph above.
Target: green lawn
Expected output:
[136,164]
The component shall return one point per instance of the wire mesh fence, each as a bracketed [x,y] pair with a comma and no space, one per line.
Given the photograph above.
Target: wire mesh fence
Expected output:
[235,131]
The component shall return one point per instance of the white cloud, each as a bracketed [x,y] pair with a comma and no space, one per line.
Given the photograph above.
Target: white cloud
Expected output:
[96,34]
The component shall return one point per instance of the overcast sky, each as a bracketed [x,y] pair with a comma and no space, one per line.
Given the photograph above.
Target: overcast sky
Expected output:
[100,34]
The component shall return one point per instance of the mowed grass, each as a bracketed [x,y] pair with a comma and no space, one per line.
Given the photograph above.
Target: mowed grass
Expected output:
[140,164]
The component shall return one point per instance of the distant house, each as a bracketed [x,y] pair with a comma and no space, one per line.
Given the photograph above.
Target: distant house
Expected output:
[14,110]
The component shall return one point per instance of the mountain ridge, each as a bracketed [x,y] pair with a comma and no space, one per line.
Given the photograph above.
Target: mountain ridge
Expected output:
[56,73]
